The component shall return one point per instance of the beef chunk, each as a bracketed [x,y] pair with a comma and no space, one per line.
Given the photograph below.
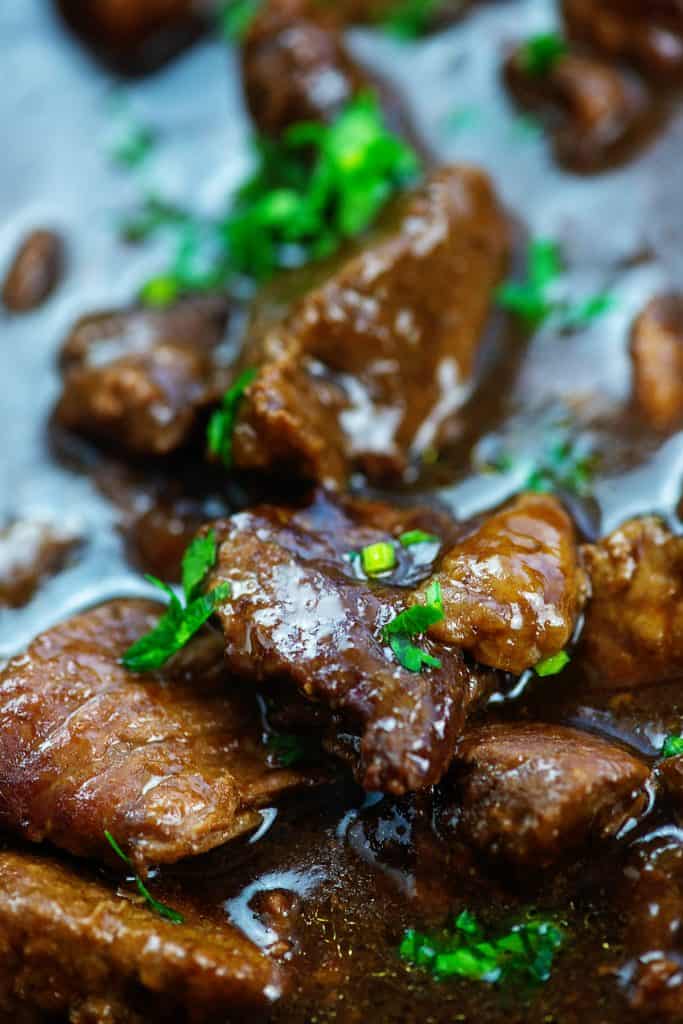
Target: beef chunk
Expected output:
[367,366]
[137,35]
[652,893]
[633,634]
[34,273]
[301,613]
[530,792]
[657,355]
[593,111]
[513,589]
[29,552]
[296,66]
[648,32]
[70,947]
[166,762]
[141,378]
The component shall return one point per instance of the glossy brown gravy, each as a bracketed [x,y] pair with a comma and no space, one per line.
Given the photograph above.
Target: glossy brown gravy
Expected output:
[361,869]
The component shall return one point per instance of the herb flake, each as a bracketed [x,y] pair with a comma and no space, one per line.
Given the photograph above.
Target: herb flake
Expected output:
[412,622]
[539,54]
[222,423]
[672,747]
[174,916]
[553,665]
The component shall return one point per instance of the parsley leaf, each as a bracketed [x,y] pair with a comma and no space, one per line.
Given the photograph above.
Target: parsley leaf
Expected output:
[535,299]
[539,54]
[553,665]
[524,953]
[235,18]
[179,624]
[159,908]
[410,623]
[222,422]
[673,746]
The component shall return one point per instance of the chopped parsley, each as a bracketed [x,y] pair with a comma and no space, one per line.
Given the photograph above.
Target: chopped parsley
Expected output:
[536,298]
[414,621]
[235,18]
[315,187]
[553,665]
[378,558]
[410,19]
[558,460]
[222,422]
[539,54]
[525,953]
[673,746]
[411,537]
[159,908]
[180,622]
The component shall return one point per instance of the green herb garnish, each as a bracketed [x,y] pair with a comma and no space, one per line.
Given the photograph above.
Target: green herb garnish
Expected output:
[410,19]
[539,54]
[411,537]
[378,558]
[535,299]
[235,18]
[673,746]
[553,665]
[180,623]
[525,953]
[131,141]
[222,422]
[560,461]
[159,908]
[312,189]
[412,622]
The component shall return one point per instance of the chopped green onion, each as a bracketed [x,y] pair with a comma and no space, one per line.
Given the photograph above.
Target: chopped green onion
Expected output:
[160,291]
[159,908]
[222,423]
[411,537]
[378,558]
[673,746]
[539,54]
[553,665]
[409,19]
[524,953]
[235,18]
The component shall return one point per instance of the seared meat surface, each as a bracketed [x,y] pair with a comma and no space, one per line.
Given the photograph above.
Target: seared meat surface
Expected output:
[657,357]
[513,589]
[73,949]
[530,793]
[35,271]
[647,32]
[170,764]
[633,633]
[141,378]
[367,366]
[300,613]
[593,110]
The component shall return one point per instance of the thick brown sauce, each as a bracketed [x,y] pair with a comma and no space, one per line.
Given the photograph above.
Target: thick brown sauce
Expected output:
[363,873]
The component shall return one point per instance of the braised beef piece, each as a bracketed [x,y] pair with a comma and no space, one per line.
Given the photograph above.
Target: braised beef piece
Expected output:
[366,368]
[647,32]
[593,110]
[170,763]
[302,612]
[141,378]
[652,895]
[633,633]
[531,792]
[296,66]
[30,551]
[657,357]
[513,589]
[136,36]
[73,949]
[34,272]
